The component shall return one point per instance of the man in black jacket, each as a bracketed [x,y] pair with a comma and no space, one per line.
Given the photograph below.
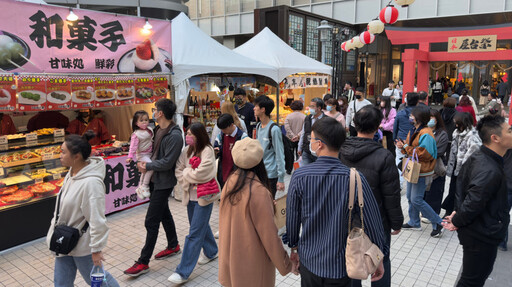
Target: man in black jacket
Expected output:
[378,167]
[481,215]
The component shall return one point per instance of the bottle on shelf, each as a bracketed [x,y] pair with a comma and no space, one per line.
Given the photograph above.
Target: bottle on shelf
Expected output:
[190,105]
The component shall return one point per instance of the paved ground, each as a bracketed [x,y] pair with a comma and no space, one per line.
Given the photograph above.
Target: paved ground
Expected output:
[416,258]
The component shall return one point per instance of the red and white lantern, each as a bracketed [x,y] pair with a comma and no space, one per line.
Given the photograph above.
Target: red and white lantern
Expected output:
[366,38]
[388,15]
[356,43]
[375,27]
[404,3]
[344,47]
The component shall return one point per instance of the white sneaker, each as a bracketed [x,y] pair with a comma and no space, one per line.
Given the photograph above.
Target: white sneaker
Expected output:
[176,279]
[145,191]
[139,192]
[425,220]
[216,235]
[204,260]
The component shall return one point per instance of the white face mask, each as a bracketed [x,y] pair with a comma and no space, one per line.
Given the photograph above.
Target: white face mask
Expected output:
[313,152]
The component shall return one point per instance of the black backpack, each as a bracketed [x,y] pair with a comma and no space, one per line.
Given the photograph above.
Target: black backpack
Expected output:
[287,147]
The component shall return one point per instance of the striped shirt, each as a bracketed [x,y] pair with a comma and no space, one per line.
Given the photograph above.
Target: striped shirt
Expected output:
[318,201]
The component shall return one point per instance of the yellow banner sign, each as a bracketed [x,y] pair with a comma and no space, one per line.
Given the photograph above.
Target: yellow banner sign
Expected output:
[485,43]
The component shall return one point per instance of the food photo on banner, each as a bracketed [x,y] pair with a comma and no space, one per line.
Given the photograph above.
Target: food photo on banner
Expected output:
[7,92]
[58,89]
[39,39]
[31,93]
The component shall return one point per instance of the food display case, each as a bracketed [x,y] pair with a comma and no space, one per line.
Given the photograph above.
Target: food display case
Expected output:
[30,177]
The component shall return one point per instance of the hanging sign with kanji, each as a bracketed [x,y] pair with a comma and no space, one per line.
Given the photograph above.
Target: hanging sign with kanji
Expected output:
[486,43]
[7,92]
[31,93]
[39,39]
[58,90]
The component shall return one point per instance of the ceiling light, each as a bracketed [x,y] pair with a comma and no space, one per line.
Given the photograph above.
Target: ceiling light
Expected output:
[72,16]
[147,26]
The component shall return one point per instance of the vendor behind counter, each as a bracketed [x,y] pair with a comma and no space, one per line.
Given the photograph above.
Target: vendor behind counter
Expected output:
[6,125]
[85,121]
[47,119]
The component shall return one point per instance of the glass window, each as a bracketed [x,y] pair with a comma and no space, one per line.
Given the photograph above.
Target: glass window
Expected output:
[296,26]
[217,7]
[300,2]
[247,5]
[396,55]
[204,8]
[232,6]
[263,3]
[283,2]
[312,41]
[328,52]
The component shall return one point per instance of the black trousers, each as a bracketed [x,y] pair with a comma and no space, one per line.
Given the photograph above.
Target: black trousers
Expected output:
[434,196]
[353,132]
[158,211]
[390,144]
[308,279]
[449,201]
[477,263]
[273,186]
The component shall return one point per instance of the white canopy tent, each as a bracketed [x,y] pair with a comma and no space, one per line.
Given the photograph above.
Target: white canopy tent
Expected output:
[195,53]
[268,48]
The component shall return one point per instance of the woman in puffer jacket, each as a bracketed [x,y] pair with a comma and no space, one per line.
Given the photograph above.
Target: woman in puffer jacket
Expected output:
[465,141]
[196,173]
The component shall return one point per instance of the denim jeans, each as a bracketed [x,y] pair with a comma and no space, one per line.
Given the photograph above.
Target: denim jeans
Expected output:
[385,281]
[307,158]
[200,237]
[415,195]
[398,158]
[65,271]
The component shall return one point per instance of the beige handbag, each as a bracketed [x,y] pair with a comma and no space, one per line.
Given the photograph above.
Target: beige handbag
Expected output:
[411,169]
[280,212]
[361,255]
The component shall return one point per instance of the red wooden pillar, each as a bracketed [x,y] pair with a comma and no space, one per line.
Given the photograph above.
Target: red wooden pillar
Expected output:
[423,72]
[409,77]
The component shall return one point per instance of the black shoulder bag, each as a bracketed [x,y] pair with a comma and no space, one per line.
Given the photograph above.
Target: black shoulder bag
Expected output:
[65,238]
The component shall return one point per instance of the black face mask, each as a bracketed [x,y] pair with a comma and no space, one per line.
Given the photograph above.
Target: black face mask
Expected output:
[358,97]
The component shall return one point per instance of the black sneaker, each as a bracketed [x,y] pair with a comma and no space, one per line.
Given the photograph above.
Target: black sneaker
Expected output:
[407,226]
[437,232]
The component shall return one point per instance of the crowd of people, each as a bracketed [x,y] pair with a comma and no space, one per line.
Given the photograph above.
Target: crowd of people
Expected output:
[244,164]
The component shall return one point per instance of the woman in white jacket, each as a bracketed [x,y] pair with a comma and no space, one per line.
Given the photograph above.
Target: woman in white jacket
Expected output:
[196,166]
[82,200]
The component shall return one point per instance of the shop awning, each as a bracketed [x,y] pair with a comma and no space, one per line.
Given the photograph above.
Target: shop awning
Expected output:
[268,48]
[195,53]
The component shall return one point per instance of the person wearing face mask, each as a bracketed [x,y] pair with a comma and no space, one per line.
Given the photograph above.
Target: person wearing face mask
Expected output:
[167,146]
[343,104]
[393,93]
[315,109]
[86,121]
[465,141]
[421,143]
[333,110]
[245,110]
[388,120]
[353,107]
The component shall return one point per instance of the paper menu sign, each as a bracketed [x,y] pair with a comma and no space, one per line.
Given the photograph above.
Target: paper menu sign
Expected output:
[58,95]
[125,91]
[7,92]
[31,93]
[160,87]
[144,90]
[82,92]
[105,91]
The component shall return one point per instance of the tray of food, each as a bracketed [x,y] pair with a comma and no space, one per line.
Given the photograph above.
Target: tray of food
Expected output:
[58,170]
[51,149]
[18,158]
[42,188]
[19,196]
[8,190]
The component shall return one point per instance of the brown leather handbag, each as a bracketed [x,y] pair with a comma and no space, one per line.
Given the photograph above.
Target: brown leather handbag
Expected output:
[362,257]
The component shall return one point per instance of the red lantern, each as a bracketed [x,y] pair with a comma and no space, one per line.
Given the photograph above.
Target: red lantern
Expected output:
[344,47]
[366,38]
[388,15]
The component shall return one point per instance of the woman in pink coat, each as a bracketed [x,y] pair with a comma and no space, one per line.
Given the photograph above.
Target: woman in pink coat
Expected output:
[386,126]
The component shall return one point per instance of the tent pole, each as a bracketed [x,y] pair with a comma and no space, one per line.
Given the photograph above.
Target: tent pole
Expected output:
[277,104]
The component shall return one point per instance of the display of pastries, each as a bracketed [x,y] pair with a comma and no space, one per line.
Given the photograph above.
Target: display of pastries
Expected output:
[8,158]
[42,188]
[8,190]
[44,132]
[52,149]
[19,196]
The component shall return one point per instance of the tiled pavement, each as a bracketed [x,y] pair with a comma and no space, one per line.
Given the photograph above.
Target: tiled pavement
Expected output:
[416,258]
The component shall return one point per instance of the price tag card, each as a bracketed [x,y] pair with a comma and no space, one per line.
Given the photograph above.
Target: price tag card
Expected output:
[105,91]
[3,140]
[56,176]
[59,133]
[144,90]
[38,180]
[2,172]
[7,92]
[59,93]
[31,137]
[82,92]
[4,147]
[160,87]
[31,93]
[41,171]
[47,156]
[125,91]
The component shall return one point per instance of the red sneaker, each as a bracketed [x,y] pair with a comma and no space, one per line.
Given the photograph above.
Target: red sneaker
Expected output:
[137,269]
[168,252]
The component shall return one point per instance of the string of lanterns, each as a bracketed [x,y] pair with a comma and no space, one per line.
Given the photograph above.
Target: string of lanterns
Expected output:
[388,15]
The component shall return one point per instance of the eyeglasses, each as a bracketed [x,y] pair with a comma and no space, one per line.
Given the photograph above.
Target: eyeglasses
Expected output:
[317,139]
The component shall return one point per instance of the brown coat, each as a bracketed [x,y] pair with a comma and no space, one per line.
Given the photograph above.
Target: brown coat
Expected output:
[249,247]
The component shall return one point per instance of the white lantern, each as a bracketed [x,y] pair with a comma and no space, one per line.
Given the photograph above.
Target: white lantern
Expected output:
[404,3]
[375,27]
[349,45]
[356,43]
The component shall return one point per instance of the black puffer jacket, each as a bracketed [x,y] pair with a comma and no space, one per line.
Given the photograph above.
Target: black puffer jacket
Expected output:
[481,198]
[378,167]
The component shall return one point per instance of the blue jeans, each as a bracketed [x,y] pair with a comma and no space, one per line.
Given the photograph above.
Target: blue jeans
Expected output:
[200,237]
[399,155]
[308,158]
[385,281]
[415,195]
[65,271]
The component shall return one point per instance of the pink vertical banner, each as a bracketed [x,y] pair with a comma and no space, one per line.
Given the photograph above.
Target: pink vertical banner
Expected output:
[121,181]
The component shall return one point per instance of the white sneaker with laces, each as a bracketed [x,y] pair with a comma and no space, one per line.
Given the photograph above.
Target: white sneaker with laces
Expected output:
[204,260]
[176,278]
[425,220]
[216,235]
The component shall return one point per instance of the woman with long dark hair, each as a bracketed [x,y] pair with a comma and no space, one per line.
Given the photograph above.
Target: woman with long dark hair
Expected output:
[195,167]
[387,122]
[249,247]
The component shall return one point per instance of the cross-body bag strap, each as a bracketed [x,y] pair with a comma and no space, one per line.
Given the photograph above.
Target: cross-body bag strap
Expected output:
[86,225]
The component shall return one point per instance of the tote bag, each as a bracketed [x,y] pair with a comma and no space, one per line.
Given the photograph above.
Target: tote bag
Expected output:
[411,169]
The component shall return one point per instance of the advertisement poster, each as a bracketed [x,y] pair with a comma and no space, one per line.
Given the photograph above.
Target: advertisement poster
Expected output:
[58,91]
[160,87]
[7,93]
[31,93]
[41,40]
[105,91]
[125,91]
[144,90]
[82,96]
[121,180]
